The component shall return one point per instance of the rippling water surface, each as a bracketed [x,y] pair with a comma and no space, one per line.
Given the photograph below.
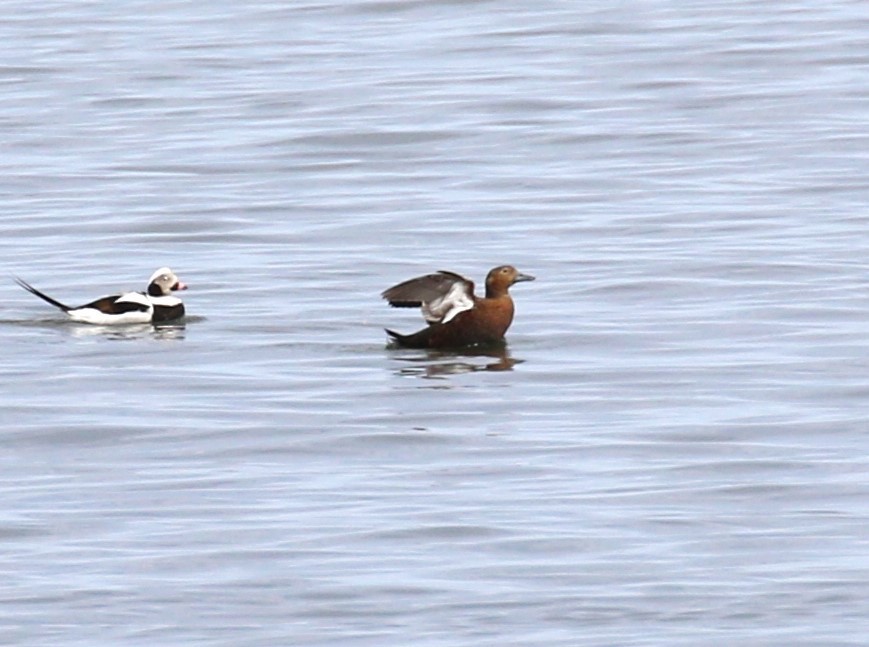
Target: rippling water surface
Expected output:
[670,451]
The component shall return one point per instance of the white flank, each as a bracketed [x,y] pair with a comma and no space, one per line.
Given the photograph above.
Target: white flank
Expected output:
[94,316]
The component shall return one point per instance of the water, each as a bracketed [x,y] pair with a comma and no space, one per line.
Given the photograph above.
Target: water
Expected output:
[672,449]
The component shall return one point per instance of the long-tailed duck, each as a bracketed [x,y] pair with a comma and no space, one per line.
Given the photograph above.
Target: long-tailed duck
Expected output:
[155,305]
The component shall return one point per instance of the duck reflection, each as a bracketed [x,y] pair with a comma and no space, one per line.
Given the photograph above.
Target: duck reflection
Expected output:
[162,332]
[439,364]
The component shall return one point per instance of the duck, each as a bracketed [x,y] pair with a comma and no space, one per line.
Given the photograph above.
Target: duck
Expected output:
[456,317]
[156,304]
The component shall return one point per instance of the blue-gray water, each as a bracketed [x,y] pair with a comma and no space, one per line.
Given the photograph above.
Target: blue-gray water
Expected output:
[673,450]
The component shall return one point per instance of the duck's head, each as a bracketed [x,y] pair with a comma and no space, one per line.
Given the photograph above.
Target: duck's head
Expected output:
[502,277]
[163,282]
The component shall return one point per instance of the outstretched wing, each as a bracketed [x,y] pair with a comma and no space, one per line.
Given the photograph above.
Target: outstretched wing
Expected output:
[441,296]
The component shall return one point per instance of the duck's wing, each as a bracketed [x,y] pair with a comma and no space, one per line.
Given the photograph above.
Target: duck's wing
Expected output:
[441,296]
[442,310]
[119,304]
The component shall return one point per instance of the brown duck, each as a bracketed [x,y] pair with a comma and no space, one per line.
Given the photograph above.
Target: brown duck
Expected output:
[456,316]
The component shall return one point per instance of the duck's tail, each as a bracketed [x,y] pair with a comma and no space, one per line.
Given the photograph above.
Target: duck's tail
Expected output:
[41,295]
[418,339]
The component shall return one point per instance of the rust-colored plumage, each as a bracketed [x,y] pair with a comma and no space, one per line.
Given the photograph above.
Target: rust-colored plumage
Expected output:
[456,316]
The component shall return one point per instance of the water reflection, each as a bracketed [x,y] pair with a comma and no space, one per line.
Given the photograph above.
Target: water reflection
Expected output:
[168,331]
[163,332]
[438,364]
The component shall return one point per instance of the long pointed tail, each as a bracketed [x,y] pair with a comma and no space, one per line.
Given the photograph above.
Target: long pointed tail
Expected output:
[44,297]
